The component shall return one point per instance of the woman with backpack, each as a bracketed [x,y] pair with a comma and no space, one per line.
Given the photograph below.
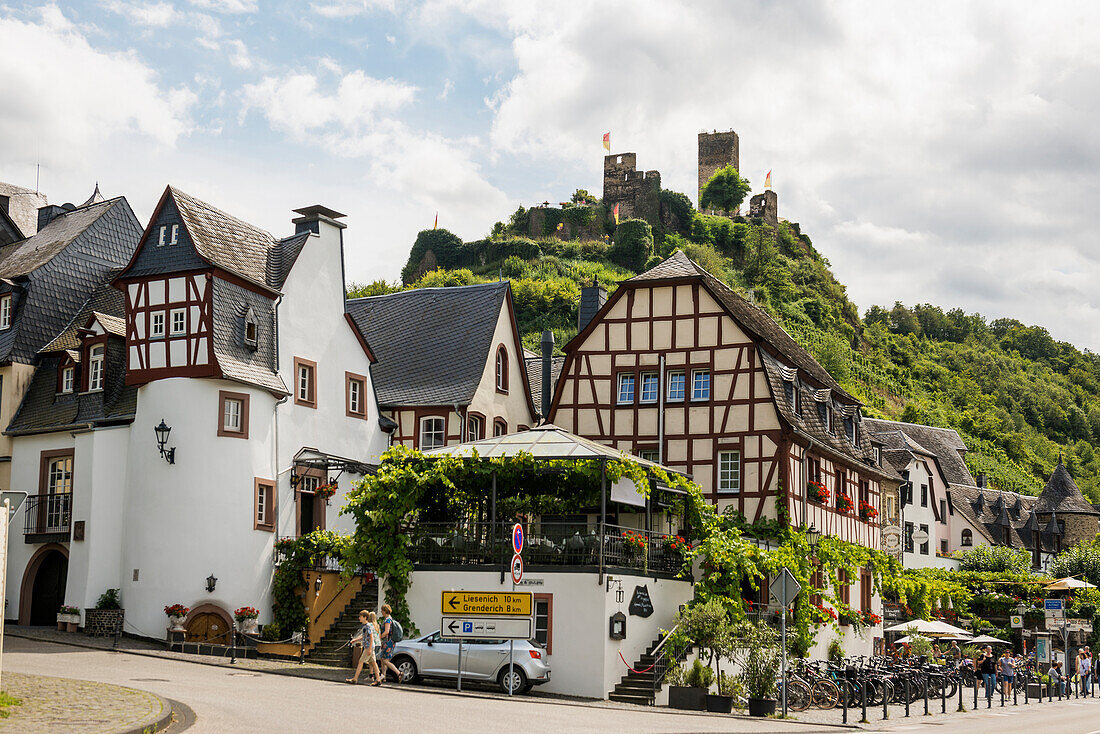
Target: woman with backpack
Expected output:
[391,635]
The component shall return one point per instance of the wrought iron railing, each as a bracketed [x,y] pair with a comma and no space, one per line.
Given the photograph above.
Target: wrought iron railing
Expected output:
[48,515]
[547,544]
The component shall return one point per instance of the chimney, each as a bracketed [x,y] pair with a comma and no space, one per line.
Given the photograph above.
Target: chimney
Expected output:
[981,480]
[312,218]
[547,380]
[593,298]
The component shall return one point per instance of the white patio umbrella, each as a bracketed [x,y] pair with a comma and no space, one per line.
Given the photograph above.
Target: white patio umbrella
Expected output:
[1069,583]
[933,628]
[987,640]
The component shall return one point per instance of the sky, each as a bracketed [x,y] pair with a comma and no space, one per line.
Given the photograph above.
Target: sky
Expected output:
[935,152]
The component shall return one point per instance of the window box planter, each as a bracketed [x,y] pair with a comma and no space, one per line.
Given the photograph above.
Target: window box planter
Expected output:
[816,492]
[687,698]
[718,704]
[104,622]
[761,706]
[1037,690]
[68,622]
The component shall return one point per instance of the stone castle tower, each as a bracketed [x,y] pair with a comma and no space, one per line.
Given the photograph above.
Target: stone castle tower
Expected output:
[636,192]
[716,150]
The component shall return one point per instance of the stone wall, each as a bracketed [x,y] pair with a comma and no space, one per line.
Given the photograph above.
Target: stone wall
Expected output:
[765,206]
[716,150]
[636,192]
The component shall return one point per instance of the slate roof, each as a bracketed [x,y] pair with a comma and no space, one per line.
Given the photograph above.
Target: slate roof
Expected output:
[988,516]
[224,240]
[432,344]
[943,443]
[282,256]
[43,410]
[51,274]
[534,378]
[23,204]
[756,321]
[1062,495]
[238,362]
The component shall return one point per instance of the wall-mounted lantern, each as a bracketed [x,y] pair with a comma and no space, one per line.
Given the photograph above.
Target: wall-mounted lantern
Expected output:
[617,629]
[163,431]
[211,582]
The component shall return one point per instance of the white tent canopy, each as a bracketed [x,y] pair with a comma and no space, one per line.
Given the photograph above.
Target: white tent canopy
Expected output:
[928,628]
[1069,583]
[987,640]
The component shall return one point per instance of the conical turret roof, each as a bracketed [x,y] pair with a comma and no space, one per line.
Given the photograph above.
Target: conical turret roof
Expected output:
[1061,494]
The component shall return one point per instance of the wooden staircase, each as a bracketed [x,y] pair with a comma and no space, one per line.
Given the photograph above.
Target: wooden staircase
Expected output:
[332,649]
[639,688]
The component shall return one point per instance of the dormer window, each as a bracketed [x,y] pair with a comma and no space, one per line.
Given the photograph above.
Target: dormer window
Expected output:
[823,415]
[68,379]
[95,368]
[175,234]
[798,402]
[877,453]
[850,430]
[5,311]
[788,390]
[161,232]
[251,339]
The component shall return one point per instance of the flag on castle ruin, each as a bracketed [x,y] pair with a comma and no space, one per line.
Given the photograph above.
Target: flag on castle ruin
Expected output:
[616,214]
[436,225]
[560,225]
[768,180]
[607,142]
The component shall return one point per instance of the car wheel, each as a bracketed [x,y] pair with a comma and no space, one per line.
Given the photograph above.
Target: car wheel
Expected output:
[407,668]
[513,682]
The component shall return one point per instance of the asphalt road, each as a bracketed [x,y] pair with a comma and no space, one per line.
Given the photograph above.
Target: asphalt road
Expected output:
[227,701]
[1067,717]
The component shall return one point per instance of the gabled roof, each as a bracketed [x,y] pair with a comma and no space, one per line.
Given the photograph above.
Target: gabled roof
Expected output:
[21,258]
[750,317]
[104,303]
[1061,494]
[984,517]
[432,344]
[223,240]
[944,444]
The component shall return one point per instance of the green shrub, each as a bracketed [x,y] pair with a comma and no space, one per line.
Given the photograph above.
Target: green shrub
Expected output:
[109,599]
[836,651]
[374,288]
[514,267]
[633,244]
[440,278]
[700,676]
[995,559]
[443,244]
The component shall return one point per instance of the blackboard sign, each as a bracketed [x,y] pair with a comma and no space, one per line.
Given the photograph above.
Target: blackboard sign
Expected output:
[640,604]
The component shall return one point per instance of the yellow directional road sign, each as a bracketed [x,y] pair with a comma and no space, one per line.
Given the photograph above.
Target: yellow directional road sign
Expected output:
[487,603]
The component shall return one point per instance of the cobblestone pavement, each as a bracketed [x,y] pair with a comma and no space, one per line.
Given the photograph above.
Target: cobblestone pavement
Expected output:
[55,705]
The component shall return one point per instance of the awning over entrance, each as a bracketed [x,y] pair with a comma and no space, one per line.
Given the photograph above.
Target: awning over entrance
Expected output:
[310,458]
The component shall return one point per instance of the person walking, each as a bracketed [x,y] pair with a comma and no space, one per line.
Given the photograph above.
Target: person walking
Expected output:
[1084,670]
[388,643]
[1008,672]
[365,637]
[987,667]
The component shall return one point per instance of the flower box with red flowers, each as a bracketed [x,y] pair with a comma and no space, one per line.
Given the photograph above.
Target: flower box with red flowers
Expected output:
[823,614]
[246,613]
[634,542]
[871,618]
[176,610]
[867,511]
[843,504]
[326,491]
[817,492]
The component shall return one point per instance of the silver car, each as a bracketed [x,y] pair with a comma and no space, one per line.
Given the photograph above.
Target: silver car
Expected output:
[433,656]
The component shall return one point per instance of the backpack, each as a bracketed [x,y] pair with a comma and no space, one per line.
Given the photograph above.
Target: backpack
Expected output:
[396,633]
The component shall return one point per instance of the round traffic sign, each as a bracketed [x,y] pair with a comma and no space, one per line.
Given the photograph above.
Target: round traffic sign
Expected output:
[517,567]
[517,538]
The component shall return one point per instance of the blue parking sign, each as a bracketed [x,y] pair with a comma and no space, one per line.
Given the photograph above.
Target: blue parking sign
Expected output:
[467,627]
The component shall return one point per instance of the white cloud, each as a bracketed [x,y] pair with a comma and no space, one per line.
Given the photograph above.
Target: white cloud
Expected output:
[392,40]
[227,6]
[350,8]
[149,14]
[238,54]
[448,87]
[126,100]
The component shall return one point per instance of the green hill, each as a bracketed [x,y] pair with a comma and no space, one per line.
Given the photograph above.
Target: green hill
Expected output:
[1018,397]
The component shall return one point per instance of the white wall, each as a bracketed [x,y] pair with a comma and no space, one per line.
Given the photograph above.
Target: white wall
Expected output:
[582,610]
[923,472]
[512,406]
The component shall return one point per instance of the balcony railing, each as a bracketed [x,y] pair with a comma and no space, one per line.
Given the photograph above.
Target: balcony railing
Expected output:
[546,544]
[47,518]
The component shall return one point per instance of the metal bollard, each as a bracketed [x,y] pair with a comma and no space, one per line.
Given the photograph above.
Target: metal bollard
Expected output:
[989,695]
[863,702]
[844,694]
[885,700]
[1014,688]
[943,697]
[233,644]
[976,692]
[1027,683]
[924,685]
[907,696]
[1059,691]
[302,648]
[1002,694]
[961,686]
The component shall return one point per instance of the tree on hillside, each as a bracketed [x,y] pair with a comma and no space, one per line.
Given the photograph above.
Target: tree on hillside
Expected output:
[633,244]
[433,248]
[374,288]
[581,196]
[1081,560]
[725,191]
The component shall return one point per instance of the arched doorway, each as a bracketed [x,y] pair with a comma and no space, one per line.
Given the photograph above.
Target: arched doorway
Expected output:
[43,588]
[208,623]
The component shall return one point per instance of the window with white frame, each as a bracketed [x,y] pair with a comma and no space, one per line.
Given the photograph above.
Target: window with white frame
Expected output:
[433,432]
[232,415]
[156,325]
[161,233]
[5,311]
[700,385]
[305,382]
[729,471]
[500,427]
[95,368]
[502,370]
[175,234]
[475,428]
[651,386]
[648,455]
[179,321]
[626,387]
[265,505]
[355,396]
[68,378]
[676,385]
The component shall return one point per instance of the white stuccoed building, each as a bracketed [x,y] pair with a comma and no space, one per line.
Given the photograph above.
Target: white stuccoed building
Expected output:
[237,341]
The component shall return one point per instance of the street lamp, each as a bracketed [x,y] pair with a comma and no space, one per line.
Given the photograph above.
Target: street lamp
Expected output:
[211,582]
[163,430]
[813,535]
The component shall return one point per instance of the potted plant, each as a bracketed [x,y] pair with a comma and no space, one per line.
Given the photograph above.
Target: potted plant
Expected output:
[326,491]
[246,619]
[817,492]
[730,690]
[681,694]
[68,618]
[176,614]
[843,504]
[760,655]
[698,679]
[634,544]
[867,511]
[107,617]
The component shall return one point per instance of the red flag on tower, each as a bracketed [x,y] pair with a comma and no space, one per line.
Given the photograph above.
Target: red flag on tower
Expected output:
[607,142]
[768,180]
[616,214]
[436,225]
